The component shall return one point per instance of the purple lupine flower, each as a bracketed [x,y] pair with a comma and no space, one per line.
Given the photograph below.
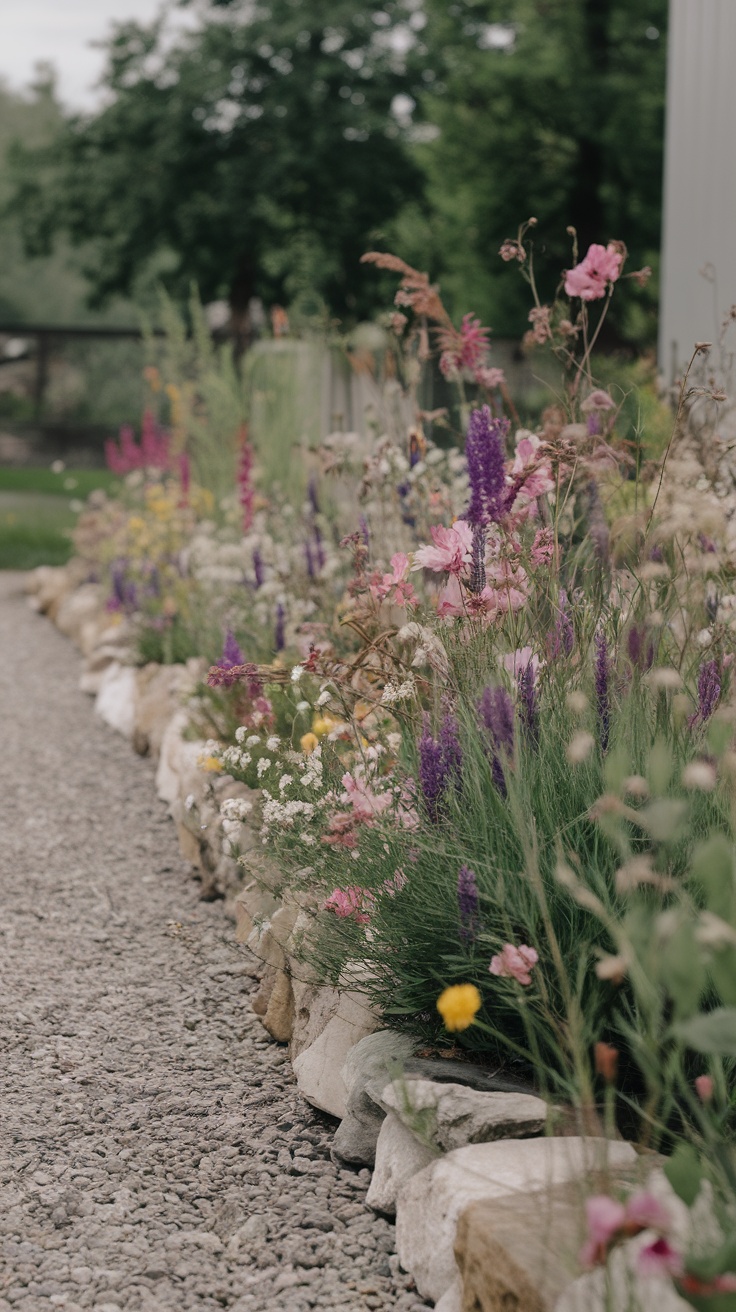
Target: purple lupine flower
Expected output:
[709,689]
[528,708]
[312,494]
[467,903]
[279,636]
[477,580]
[117,578]
[365,532]
[452,755]
[440,763]
[258,572]
[231,653]
[602,689]
[496,711]
[641,652]
[484,451]
[309,559]
[319,549]
[561,640]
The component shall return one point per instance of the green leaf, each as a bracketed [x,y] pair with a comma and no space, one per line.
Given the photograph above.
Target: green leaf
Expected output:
[713,1033]
[684,1172]
[659,768]
[664,819]
[723,973]
[682,970]
[712,867]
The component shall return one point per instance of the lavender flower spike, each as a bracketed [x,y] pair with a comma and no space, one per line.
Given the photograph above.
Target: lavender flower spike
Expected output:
[496,711]
[709,689]
[279,633]
[486,468]
[467,903]
[440,764]
[528,708]
[602,690]
[231,653]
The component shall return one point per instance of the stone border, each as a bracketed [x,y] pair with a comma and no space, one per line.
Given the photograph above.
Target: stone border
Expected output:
[486,1218]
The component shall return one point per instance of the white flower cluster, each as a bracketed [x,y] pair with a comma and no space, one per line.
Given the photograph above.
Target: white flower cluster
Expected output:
[236,808]
[283,814]
[401,692]
[235,758]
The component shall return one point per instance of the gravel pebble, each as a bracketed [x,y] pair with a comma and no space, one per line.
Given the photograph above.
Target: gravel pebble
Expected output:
[155,1155]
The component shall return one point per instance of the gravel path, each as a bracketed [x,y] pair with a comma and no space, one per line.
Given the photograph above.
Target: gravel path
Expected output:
[154,1152]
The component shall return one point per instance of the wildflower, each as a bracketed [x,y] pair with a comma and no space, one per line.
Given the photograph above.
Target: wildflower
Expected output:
[458,1006]
[489,378]
[231,653]
[512,250]
[561,640]
[496,712]
[349,903]
[542,547]
[528,708]
[477,580]
[612,968]
[539,318]
[465,349]
[211,764]
[590,278]
[486,467]
[467,901]
[699,775]
[440,763]
[452,549]
[515,963]
[297,673]
[602,690]
[659,1259]
[664,679]
[308,742]
[709,691]
[606,1061]
[597,400]
[579,747]
[704,1088]
[609,1220]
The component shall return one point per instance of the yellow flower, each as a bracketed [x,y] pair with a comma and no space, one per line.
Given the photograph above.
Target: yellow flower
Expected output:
[308,742]
[459,1005]
[210,763]
[322,724]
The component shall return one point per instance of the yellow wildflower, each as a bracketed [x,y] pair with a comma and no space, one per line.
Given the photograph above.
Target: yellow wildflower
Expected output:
[322,724]
[459,1005]
[210,763]
[308,742]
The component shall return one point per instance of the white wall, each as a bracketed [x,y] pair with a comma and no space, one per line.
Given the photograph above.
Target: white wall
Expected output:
[699,226]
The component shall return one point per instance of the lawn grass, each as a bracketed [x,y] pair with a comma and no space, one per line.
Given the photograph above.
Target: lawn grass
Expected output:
[68,483]
[36,513]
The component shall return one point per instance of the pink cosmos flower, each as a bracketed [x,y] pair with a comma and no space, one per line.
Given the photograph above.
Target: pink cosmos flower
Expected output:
[659,1259]
[489,378]
[515,963]
[348,902]
[609,1220]
[452,549]
[590,278]
[645,1212]
[365,803]
[404,593]
[704,1087]
[535,471]
[451,602]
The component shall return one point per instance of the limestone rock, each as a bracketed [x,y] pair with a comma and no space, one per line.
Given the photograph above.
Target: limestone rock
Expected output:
[159,691]
[451,1116]
[343,1020]
[368,1066]
[178,775]
[77,608]
[431,1203]
[50,584]
[399,1156]
[519,1253]
[279,1015]
[115,700]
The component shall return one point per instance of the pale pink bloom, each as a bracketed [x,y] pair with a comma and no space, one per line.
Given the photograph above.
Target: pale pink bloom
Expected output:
[539,318]
[347,902]
[605,1218]
[589,279]
[537,472]
[518,661]
[395,883]
[515,963]
[645,1212]
[542,547]
[451,602]
[365,803]
[489,378]
[659,1259]
[452,549]
[510,585]
[395,579]
[598,400]
[704,1087]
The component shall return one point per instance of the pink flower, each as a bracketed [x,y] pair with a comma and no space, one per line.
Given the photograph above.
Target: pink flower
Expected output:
[659,1259]
[404,593]
[645,1212]
[542,547]
[452,549]
[515,963]
[365,803]
[605,1218]
[589,279]
[489,378]
[598,400]
[518,661]
[395,883]
[348,902]
[531,473]
[704,1087]
[451,602]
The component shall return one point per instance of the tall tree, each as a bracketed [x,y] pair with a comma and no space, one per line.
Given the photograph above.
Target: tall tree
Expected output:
[551,108]
[258,154]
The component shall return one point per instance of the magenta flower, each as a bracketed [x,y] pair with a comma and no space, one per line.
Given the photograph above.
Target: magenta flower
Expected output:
[590,278]
[659,1259]
[515,963]
[348,903]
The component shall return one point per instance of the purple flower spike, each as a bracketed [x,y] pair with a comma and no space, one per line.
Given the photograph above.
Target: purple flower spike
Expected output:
[484,451]
[477,580]
[231,653]
[602,690]
[258,572]
[709,690]
[496,711]
[312,494]
[528,708]
[562,638]
[279,637]
[467,903]
[440,764]
[309,559]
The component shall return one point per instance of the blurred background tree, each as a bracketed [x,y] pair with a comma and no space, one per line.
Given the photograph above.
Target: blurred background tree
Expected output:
[263,153]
